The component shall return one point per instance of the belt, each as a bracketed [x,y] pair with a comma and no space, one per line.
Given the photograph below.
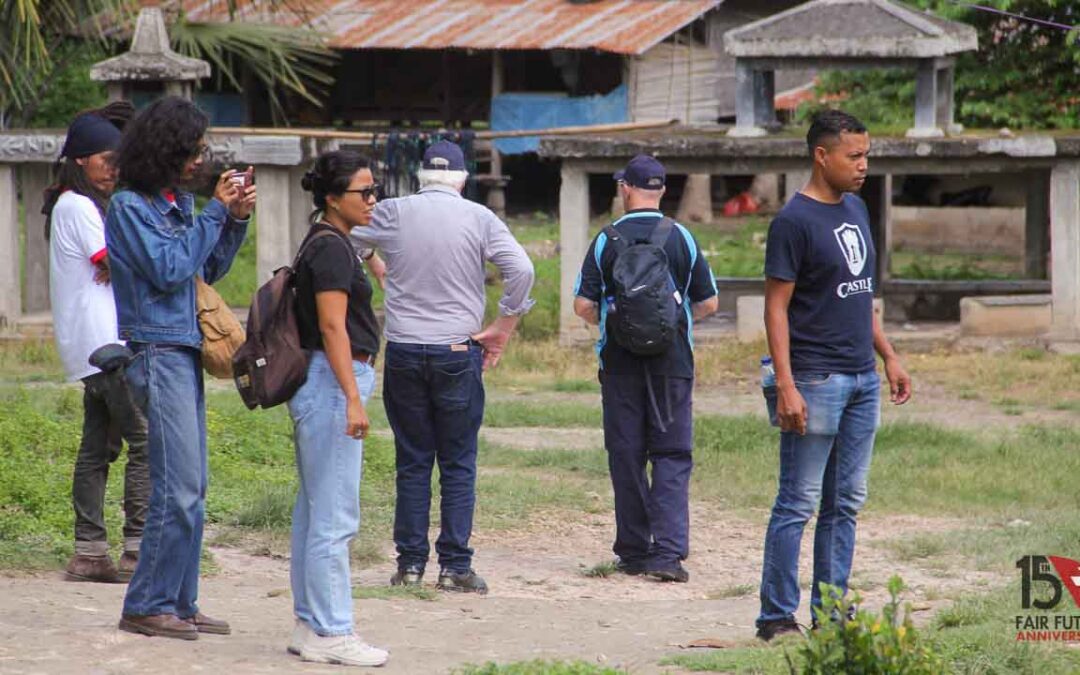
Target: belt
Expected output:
[364,357]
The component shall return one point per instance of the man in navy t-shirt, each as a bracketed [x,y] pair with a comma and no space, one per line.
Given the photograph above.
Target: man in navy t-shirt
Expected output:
[819,318]
[647,398]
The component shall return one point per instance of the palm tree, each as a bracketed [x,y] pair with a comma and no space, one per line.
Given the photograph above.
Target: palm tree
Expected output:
[32,32]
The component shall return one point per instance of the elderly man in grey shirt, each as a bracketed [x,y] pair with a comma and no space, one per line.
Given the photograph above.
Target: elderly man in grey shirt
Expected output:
[435,244]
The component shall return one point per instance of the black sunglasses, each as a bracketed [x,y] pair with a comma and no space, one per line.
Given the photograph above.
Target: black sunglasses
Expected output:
[368,192]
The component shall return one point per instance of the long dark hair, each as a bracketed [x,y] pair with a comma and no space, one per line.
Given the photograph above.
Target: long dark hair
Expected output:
[158,143]
[331,175]
[68,175]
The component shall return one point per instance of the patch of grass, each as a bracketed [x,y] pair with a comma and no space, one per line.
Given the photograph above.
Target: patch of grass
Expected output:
[600,570]
[587,462]
[395,593]
[239,285]
[739,661]
[576,386]
[733,591]
[538,667]
[268,508]
[918,547]
[1038,382]
[939,265]
[30,360]
[532,414]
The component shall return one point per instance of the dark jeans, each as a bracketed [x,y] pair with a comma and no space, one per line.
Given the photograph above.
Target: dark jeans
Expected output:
[110,416]
[652,518]
[434,397]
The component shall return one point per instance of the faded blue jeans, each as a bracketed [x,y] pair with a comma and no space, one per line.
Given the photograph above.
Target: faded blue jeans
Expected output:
[824,470]
[166,382]
[327,512]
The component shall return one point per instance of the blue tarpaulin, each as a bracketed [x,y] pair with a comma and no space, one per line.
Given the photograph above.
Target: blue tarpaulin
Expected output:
[511,112]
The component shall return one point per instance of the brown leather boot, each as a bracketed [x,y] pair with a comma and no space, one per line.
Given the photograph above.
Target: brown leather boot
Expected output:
[206,624]
[159,625]
[126,567]
[99,568]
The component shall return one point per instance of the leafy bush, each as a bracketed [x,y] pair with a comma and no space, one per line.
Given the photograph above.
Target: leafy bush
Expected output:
[867,644]
[1024,75]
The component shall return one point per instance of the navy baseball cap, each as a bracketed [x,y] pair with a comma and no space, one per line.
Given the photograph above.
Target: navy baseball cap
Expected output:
[643,171]
[444,155]
[90,134]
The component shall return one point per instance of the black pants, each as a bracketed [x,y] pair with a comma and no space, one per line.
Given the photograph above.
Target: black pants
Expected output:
[652,517]
[110,416]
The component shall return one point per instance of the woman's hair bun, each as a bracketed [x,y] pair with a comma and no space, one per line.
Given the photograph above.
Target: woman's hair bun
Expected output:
[308,181]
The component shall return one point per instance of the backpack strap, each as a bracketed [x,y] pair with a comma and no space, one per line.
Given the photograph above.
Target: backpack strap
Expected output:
[311,238]
[661,232]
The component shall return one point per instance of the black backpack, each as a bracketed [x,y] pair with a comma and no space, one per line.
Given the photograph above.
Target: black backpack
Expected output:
[645,316]
[271,365]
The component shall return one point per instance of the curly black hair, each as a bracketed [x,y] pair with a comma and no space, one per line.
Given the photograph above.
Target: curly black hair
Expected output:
[331,174]
[158,143]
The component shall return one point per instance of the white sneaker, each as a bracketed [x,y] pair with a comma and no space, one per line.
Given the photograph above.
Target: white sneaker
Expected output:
[346,650]
[300,634]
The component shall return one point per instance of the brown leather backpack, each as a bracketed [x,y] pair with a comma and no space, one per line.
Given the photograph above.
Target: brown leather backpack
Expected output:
[271,365]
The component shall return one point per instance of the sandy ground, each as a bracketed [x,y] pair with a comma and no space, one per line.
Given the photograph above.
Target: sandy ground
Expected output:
[541,604]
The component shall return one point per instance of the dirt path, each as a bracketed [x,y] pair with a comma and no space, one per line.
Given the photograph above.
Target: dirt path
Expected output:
[540,606]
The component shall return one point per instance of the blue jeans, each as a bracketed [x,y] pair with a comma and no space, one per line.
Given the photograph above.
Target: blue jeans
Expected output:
[826,469]
[434,396]
[327,512]
[166,382]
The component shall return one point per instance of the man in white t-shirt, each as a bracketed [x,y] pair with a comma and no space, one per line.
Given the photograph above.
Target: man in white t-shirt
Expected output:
[84,318]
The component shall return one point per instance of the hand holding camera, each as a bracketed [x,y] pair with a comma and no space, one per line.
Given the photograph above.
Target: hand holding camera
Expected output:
[236,190]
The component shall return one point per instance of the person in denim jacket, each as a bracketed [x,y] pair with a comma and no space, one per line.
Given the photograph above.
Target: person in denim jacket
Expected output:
[157,246]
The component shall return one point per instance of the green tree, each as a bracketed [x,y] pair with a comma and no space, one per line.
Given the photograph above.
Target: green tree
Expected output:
[43,41]
[1024,75]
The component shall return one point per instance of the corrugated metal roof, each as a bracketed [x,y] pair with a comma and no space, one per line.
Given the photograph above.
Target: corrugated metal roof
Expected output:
[618,26]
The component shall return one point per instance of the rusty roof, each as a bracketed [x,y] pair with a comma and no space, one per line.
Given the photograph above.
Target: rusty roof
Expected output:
[617,26]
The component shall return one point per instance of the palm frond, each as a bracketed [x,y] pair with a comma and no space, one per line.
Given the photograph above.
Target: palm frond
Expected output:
[281,58]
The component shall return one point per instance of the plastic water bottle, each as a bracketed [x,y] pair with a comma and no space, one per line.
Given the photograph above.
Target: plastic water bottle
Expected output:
[768,388]
[768,373]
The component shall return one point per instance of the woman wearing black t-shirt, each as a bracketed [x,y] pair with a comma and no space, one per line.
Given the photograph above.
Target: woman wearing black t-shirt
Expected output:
[333,308]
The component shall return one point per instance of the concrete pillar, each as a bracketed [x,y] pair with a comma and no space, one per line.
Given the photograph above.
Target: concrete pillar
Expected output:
[877,193]
[764,99]
[573,243]
[745,108]
[274,247]
[926,102]
[1065,250]
[33,179]
[10,291]
[793,182]
[944,109]
[695,205]
[300,208]
[1037,225]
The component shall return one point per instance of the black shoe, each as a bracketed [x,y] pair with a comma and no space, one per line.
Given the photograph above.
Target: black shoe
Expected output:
[767,630]
[632,569]
[461,582]
[408,576]
[676,573]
